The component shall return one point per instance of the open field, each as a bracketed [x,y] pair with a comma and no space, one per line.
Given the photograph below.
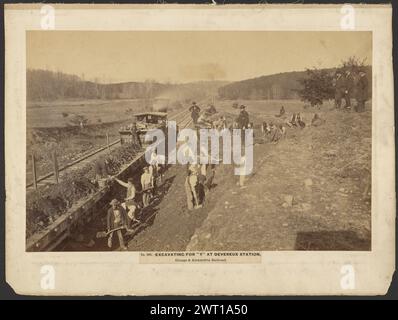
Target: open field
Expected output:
[48,129]
[59,113]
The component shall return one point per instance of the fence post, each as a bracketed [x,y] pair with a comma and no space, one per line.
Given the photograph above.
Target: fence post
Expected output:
[34,171]
[56,171]
[107,142]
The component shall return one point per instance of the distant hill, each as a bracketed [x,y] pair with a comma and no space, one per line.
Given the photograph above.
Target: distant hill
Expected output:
[44,85]
[276,86]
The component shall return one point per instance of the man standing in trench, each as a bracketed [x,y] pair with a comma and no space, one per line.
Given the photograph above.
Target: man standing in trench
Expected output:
[116,218]
[130,203]
[147,186]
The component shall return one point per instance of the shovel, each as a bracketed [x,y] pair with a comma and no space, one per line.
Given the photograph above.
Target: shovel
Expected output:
[104,234]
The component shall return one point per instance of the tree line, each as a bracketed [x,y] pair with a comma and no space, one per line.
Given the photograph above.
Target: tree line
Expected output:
[45,85]
[312,85]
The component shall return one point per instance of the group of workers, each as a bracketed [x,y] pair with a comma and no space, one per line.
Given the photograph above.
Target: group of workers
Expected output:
[198,181]
[199,178]
[345,85]
[124,215]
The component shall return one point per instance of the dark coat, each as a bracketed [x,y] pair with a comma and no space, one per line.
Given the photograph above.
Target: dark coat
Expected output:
[348,83]
[101,168]
[243,119]
[340,84]
[111,217]
[362,89]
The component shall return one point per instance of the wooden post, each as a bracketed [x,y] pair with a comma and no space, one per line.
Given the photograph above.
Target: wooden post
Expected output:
[34,171]
[56,171]
[107,142]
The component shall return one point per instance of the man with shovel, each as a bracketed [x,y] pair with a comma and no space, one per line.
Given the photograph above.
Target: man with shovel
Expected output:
[116,220]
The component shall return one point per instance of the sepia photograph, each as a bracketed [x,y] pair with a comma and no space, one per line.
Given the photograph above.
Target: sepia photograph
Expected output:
[91,97]
[209,150]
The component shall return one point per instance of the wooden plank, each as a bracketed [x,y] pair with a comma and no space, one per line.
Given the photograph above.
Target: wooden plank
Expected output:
[55,165]
[34,171]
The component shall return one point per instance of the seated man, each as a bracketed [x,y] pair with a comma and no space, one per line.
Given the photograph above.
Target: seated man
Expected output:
[202,120]
[281,112]
[275,134]
[300,121]
[317,121]
[282,130]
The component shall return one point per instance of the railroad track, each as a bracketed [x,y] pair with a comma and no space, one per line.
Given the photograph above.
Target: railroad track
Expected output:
[182,118]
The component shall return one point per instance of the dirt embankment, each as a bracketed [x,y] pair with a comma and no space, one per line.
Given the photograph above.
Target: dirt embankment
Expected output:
[306,193]
[69,143]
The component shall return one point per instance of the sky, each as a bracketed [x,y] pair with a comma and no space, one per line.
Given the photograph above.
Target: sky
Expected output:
[188,56]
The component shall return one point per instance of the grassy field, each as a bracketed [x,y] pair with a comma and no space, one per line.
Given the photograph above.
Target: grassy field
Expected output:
[59,113]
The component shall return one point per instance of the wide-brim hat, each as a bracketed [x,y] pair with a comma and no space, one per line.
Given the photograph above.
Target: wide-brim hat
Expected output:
[114,201]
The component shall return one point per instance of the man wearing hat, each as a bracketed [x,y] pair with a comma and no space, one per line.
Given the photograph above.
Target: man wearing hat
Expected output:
[361,91]
[195,111]
[243,118]
[348,86]
[116,218]
[338,89]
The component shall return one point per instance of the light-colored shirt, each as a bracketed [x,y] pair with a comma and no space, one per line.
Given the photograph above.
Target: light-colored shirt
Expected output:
[117,217]
[130,189]
[193,180]
[146,180]
[242,166]
[130,192]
